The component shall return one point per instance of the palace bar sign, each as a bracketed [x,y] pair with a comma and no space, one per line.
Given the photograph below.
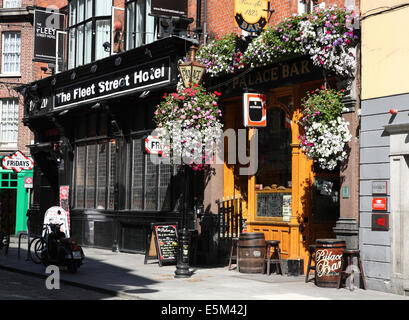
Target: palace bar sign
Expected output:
[251,15]
[141,77]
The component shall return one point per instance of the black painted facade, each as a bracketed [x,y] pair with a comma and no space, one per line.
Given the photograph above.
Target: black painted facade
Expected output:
[89,125]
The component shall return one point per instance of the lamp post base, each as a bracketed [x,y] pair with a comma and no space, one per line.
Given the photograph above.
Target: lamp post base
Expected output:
[182,267]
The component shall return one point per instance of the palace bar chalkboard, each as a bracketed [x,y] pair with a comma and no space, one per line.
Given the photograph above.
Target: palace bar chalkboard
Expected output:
[166,241]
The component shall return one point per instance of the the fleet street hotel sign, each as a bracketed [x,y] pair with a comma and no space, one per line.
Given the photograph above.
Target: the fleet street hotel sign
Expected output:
[139,78]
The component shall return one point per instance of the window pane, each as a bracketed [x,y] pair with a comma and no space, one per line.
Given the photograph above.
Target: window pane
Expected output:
[11,3]
[151,185]
[102,175]
[9,120]
[81,9]
[73,12]
[140,23]
[150,24]
[88,9]
[137,176]
[103,28]
[130,26]
[165,176]
[88,42]
[11,52]
[79,177]
[91,167]
[112,174]
[80,45]
[71,55]
[103,8]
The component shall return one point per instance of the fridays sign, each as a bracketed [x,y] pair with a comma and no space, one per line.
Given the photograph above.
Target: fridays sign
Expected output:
[18,162]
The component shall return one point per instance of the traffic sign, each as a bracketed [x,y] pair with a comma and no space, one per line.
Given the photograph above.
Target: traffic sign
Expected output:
[28,182]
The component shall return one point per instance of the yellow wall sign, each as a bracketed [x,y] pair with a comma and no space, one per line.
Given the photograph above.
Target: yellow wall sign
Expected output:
[251,15]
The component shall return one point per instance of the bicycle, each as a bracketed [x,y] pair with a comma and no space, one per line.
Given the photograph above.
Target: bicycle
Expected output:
[37,245]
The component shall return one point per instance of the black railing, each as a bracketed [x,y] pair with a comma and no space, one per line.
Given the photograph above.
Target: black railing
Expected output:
[229,217]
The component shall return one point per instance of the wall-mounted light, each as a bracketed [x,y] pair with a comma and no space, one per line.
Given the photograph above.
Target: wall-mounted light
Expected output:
[191,71]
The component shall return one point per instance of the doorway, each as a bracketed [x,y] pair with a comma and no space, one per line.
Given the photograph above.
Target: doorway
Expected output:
[8,200]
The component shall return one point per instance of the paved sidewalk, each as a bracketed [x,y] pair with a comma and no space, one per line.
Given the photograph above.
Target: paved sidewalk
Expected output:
[125,275]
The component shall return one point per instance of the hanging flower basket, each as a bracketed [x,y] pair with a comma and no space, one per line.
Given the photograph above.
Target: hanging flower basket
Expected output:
[325,35]
[189,126]
[325,132]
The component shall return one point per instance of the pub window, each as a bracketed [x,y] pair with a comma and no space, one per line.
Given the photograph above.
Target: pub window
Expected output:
[140,26]
[10,58]
[273,178]
[151,183]
[89,26]
[11,3]
[9,122]
[95,175]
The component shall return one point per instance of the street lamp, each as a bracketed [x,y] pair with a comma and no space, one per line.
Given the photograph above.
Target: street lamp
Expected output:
[191,73]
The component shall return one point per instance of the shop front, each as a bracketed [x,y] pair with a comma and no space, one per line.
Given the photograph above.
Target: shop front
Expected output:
[90,125]
[15,197]
[285,197]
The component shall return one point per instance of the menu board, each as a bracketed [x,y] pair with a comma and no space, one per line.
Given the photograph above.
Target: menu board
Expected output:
[271,204]
[166,240]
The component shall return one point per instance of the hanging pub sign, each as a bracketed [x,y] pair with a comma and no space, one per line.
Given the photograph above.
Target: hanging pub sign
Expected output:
[46,24]
[251,15]
[254,110]
[169,8]
[17,162]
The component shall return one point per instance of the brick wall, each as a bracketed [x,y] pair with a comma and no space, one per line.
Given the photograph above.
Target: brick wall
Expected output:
[220,13]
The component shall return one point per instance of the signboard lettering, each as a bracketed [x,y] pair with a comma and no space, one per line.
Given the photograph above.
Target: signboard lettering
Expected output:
[251,15]
[152,145]
[169,8]
[141,77]
[166,240]
[276,73]
[46,24]
[379,187]
[17,162]
[327,262]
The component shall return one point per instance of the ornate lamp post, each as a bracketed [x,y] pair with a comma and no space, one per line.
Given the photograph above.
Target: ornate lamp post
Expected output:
[191,73]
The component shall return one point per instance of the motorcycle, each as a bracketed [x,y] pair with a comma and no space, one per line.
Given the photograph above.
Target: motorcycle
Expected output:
[61,251]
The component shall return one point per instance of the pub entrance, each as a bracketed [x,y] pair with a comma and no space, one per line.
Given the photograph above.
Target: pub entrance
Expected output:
[287,198]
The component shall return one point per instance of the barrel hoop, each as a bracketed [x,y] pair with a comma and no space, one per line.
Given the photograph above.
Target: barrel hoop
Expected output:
[240,246]
[252,237]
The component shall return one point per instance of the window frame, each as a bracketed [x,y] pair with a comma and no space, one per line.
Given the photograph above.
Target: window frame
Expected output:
[15,122]
[73,63]
[145,15]
[3,42]
[19,2]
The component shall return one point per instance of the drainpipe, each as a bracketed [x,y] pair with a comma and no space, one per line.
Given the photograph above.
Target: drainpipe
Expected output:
[204,21]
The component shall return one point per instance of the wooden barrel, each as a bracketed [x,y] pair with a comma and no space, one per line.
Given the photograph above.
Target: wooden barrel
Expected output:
[328,255]
[252,249]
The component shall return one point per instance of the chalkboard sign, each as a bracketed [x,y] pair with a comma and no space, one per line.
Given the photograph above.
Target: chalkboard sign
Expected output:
[270,204]
[166,242]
